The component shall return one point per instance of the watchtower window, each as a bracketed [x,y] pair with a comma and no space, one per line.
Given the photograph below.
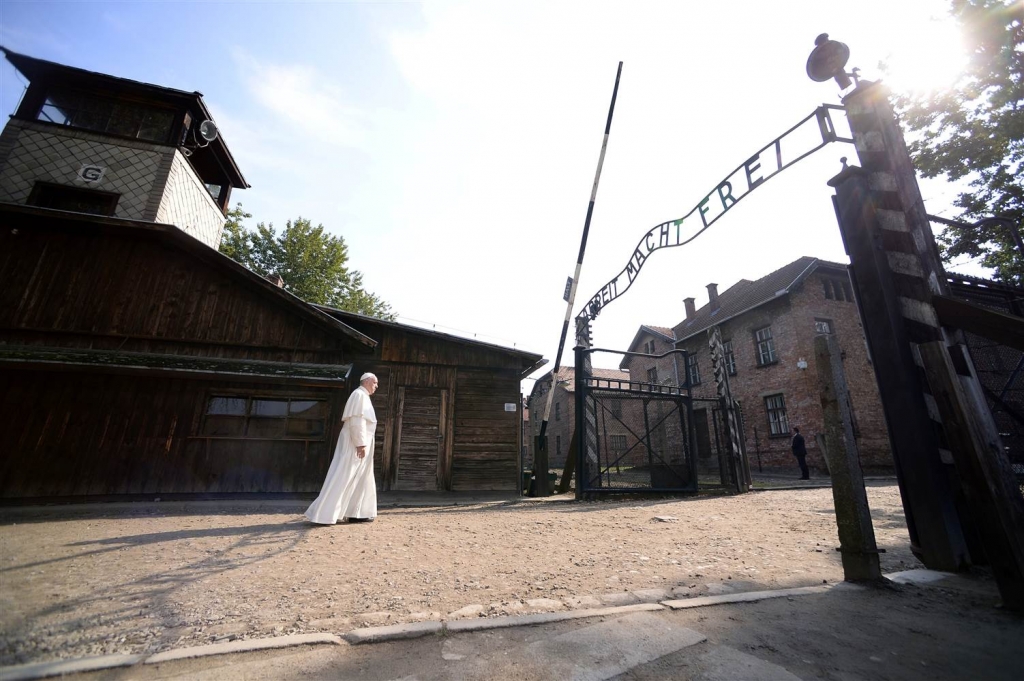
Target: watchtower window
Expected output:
[107,115]
[62,197]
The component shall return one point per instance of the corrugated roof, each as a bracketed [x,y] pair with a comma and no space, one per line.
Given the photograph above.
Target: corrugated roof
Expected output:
[746,295]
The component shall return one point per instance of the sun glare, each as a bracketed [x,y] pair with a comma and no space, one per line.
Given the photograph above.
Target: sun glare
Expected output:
[929,58]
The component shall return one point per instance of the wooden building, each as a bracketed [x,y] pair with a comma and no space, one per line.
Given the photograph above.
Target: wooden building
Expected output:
[135,359]
[452,406]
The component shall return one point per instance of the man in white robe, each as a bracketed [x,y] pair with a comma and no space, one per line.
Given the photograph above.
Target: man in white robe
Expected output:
[349,491]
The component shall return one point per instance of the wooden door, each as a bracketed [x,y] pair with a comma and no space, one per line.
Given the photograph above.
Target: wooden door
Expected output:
[420,438]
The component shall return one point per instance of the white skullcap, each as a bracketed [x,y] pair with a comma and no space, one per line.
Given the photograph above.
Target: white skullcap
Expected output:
[366,376]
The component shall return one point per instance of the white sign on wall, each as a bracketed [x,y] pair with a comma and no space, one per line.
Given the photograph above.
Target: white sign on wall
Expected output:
[90,173]
[510,406]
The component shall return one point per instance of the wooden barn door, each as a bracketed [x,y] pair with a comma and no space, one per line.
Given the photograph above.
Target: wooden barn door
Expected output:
[420,438]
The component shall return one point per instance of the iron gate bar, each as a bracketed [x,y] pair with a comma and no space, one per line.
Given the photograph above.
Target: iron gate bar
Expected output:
[639,439]
[592,392]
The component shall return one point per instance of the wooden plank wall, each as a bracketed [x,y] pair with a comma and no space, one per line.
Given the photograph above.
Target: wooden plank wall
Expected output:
[69,434]
[137,294]
[486,439]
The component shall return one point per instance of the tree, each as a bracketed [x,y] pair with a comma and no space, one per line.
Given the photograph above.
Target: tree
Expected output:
[311,261]
[975,130]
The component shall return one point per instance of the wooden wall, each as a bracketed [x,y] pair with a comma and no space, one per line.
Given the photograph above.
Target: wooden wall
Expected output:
[486,454]
[135,292]
[481,440]
[71,434]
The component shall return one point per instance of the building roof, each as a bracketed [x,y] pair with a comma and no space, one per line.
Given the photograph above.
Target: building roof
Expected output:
[177,365]
[36,69]
[662,331]
[30,217]
[532,360]
[746,295]
[567,377]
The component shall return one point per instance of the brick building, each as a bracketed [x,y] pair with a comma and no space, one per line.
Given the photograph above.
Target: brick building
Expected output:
[768,327]
[653,340]
[562,420]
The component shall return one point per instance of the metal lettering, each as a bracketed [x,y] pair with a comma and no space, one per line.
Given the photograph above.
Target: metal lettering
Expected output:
[728,196]
[752,182]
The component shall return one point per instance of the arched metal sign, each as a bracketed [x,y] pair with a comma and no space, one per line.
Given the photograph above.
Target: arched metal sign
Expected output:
[768,162]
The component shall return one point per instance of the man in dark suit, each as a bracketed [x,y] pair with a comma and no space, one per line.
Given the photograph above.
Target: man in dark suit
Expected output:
[800,452]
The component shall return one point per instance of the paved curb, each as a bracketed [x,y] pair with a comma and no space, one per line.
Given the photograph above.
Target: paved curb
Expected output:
[246,646]
[483,623]
[388,633]
[92,664]
[745,597]
[393,632]
[60,667]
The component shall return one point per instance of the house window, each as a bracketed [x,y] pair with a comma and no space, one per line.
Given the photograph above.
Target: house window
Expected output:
[617,443]
[693,368]
[558,411]
[616,408]
[264,418]
[649,347]
[765,346]
[823,326]
[847,291]
[558,445]
[729,357]
[775,406]
[838,289]
[63,197]
[652,375]
[107,115]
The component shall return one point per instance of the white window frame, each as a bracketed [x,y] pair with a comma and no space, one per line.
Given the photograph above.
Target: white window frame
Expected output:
[765,346]
[778,420]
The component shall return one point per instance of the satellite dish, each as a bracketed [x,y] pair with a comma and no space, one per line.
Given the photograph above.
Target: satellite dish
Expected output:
[208,131]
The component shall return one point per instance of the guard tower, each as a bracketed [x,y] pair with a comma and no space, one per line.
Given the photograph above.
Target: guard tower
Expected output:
[92,143]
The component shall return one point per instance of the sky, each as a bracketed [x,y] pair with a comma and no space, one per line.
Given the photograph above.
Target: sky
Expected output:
[454,144]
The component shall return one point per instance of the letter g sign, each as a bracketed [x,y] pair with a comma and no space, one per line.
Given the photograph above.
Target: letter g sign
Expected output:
[91,174]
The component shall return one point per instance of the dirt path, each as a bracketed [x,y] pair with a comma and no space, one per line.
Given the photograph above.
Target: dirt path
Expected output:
[81,583]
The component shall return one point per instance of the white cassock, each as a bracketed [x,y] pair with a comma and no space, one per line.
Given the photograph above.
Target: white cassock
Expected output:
[349,490]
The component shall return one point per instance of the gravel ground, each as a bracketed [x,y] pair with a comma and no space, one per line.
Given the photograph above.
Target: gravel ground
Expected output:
[149,577]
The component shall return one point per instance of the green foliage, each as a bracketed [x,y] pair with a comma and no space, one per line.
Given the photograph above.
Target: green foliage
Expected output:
[976,131]
[312,262]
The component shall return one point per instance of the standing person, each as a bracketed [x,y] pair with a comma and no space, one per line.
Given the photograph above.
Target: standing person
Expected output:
[800,452]
[349,491]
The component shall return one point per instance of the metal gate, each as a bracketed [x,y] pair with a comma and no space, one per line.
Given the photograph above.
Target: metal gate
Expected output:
[645,437]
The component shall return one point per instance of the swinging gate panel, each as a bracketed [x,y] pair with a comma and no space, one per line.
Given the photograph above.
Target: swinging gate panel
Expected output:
[637,438]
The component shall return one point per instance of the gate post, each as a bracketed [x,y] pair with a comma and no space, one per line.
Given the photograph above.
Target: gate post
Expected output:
[582,441]
[733,435]
[853,516]
[895,270]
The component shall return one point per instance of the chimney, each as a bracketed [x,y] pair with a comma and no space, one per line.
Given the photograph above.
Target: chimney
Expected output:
[690,308]
[276,280]
[713,296]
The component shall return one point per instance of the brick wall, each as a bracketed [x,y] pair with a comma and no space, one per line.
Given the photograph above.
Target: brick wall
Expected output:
[670,370]
[792,321]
